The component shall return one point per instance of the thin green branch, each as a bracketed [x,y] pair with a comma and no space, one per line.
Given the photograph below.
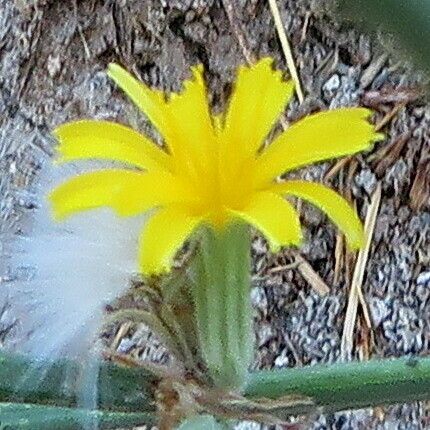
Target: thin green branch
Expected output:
[408,21]
[123,389]
[36,417]
[343,386]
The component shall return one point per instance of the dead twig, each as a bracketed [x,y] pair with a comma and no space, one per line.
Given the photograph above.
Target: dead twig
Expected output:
[371,72]
[305,26]
[388,155]
[312,277]
[122,331]
[375,98]
[337,167]
[389,116]
[338,256]
[286,48]
[80,32]
[356,294]
[420,190]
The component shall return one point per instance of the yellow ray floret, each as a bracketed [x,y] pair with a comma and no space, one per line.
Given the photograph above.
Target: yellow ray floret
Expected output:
[118,189]
[110,141]
[335,206]
[317,137]
[165,232]
[214,170]
[280,230]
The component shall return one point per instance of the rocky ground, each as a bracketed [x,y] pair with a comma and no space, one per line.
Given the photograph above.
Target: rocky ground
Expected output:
[53,55]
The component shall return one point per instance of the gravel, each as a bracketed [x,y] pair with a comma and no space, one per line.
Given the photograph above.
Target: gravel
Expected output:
[52,60]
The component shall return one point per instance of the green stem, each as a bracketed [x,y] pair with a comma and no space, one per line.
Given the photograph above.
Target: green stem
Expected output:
[221,294]
[119,388]
[36,417]
[408,21]
[332,387]
[343,386]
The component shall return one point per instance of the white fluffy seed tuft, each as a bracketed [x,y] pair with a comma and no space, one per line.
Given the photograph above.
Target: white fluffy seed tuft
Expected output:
[62,275]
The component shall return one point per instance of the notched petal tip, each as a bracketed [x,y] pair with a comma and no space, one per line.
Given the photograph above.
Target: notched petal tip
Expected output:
[355,240]
[196,77]
[378,137]
[276,247]
[149,269]
[113,68]
[197,71]
[265,62]
[60,132]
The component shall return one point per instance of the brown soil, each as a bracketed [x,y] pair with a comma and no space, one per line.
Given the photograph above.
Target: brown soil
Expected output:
[52,60]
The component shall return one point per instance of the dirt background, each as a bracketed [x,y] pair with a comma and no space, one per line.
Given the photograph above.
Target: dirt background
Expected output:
[53,55]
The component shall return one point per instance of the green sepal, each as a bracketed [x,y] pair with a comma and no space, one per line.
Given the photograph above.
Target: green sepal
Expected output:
[221,280]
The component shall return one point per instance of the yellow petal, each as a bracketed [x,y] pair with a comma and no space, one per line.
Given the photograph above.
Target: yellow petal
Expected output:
[194,142]
[183,121]
[111,141]
[330,202]
[259,96]
[275,218]
[317,137]
[151,102]
[127,192]
[163,236]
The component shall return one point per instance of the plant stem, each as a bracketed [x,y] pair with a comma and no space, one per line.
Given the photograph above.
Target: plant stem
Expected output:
[408,21]
[221,294]
[119,388]
[36,417]
[343,386]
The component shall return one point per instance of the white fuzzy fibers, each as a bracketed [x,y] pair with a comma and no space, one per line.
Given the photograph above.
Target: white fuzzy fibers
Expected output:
[62,275]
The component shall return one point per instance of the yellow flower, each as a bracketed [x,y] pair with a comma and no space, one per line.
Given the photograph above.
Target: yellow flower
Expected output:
[213,169]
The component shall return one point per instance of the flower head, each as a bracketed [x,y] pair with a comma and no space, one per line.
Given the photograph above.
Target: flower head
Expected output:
[213,168]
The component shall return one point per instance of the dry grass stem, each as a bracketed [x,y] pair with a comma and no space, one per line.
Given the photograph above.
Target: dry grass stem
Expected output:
[286,48]
[337,167]
[338,255]
[120,334]
[312,277]
[420,191]
[356,294]
[389,116]
[389,154]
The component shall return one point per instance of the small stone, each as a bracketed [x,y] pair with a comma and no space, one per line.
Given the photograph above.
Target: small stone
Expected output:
[331,85]
[282,359]
[125,345]
[366,180]
[379,310]
[423,278]
[53,65]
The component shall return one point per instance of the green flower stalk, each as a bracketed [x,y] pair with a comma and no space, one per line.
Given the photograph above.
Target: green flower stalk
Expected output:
[221,293]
